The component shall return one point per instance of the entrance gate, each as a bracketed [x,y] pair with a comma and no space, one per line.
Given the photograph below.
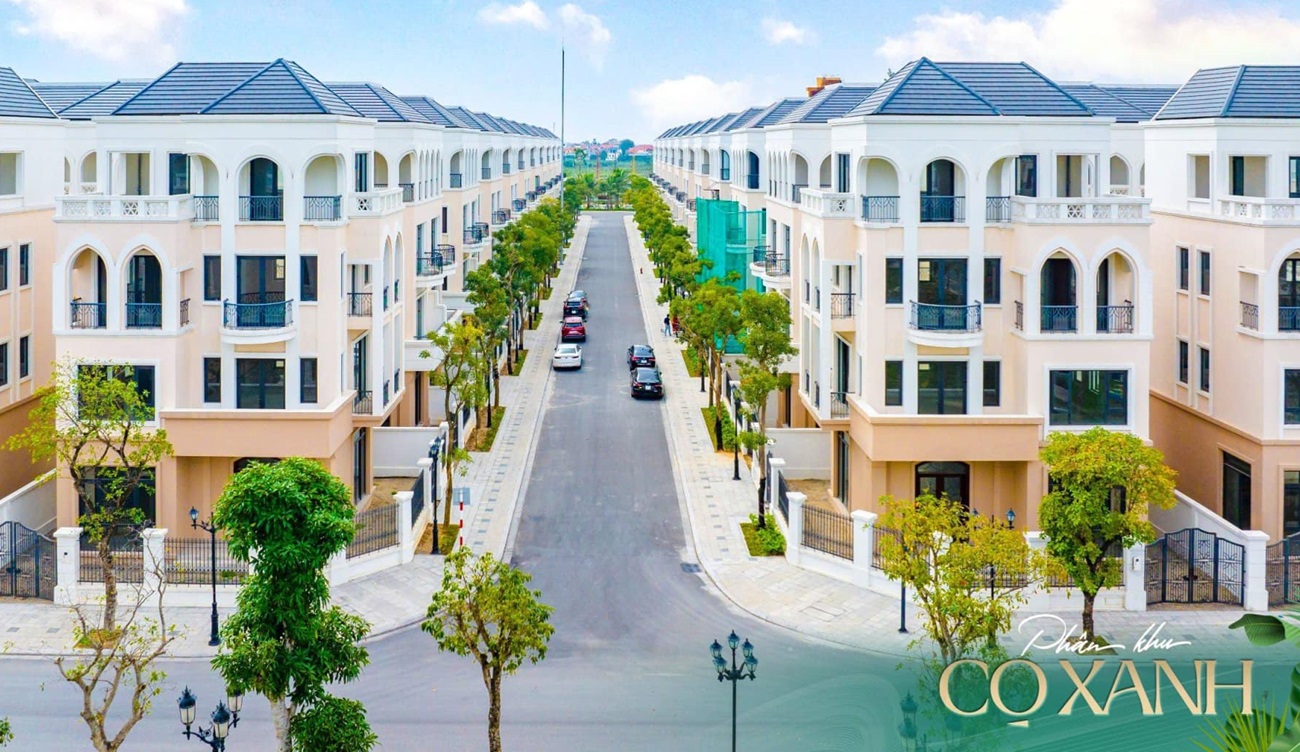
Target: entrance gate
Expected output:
[1195,566]
[27,568]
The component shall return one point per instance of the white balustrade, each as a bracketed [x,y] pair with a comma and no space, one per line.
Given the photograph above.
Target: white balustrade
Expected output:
[94,208]
[376,203]
[827,204]
[1267,210]
[1097,210]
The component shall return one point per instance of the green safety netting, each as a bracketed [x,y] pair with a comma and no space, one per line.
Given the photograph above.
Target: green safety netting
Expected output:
[728,235]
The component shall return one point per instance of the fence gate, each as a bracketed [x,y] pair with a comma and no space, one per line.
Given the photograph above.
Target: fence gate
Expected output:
[27,568]
[1282,575]
[1195,566]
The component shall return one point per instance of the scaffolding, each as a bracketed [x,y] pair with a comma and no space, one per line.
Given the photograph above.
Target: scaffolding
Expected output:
[727,236]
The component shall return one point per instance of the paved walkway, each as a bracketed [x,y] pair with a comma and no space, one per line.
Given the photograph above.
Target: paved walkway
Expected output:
[397,597]
[772,589]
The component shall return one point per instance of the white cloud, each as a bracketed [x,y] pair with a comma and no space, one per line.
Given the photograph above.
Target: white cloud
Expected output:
[694,97]
[778,31]
[1110,40]
[527,12]
[588,31]
[115,30]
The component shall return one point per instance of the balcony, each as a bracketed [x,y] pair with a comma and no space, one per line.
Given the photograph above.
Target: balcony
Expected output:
[500,216]
[945,325]
[207,209]
[842,305]
[376,203]
[487,173]
[322,208]
[261,208]
[408,192]
[751,182]
[880,209]
[796,191]
[724,174]
[1116,319]
[475,235]
[185,312]
[997,209]
[143,315]
[1101,210]
[456,180]
[1249,316]
[826,204]
[1059,318]
[359,304]
[363,403]
[839,405]
[1288,319]
[520,204]
[123,208]
[87,315]
[259,319]
[943,208]
[429,265]
[1265,211]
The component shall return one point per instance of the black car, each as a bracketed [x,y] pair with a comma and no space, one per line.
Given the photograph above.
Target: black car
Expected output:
[575,307]
[640,356]
[646,383]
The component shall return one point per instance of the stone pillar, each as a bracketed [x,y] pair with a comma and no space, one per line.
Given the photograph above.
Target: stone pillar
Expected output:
[427,470]
[796,527]
[404,540]
[155,565]
[864,533]
[68,565]
[774,485]
[1254,583]
[1135,584]
[1039,597]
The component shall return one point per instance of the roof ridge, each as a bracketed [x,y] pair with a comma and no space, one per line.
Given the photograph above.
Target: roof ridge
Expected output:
[32,91]
[242,84]
[96,93]
[1227,101]
[916,64]
[1057,86]
[147,87]
[307,88]
[1128,102]
[373,90]
[1178,91]
[955,80]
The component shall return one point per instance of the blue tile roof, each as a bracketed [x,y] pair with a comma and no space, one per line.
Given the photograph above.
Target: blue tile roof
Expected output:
[833,101]
[103,102]
[187,88]
[281,88]
[492,123]
[924,87]
[719,125]
[1107,104]
[432,111]
[1147,98]
[773,112]
[1242,91]
[18,100]
[60,95]
[741,118]
[374,101]
[468,119]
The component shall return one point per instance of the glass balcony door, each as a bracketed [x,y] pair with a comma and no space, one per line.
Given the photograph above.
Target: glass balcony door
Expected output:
[941,387]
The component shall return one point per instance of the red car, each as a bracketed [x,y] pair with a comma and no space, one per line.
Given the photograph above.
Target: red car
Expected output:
[572,328]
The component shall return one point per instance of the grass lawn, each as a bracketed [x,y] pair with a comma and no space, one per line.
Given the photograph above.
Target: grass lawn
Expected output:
[755,544]
[482,438]
[537,321]
[692,362]
[728,430]
[546,292]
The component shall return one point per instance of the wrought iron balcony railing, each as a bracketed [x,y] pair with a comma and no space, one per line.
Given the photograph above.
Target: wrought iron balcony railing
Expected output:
[997,209]
[207,209]
[322,208]
[88,315]
[842,305]
[839,404]
[1115,319]
[759,254]
[929,317]
[751,182]
[943,208]
[363,403]
[776,264]
[880,209]
[261,315]
[359,304]
[408,192]
[429,264]
[144,315]
[455,180]
[185,312]
[447,251]
[261,208]
[1059,318]
[1249,316]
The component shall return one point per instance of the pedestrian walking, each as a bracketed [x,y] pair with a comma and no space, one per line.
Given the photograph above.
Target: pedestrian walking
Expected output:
[677,327]
[668,331]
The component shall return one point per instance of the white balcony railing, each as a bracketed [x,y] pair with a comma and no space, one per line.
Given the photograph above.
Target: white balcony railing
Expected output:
[1264,210]
[376,203]
[123,208]
[1102,210]
[823,203]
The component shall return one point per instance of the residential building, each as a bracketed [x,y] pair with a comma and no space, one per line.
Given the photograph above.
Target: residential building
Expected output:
[265,249]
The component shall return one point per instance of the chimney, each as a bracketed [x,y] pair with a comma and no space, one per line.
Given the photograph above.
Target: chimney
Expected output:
[822,83]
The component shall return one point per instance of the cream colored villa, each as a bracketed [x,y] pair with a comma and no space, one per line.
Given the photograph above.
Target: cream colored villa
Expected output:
[264,248]
[976,256]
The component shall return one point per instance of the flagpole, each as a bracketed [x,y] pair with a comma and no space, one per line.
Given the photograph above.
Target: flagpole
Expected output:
[561,122]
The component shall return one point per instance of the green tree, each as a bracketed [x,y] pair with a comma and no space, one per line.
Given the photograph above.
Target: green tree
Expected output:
[626,145]
[1102,485]
[459,378]
[94,424]
[6,735]
[486,610]
[286,641]
[711,316]
[946,558]
[765,319]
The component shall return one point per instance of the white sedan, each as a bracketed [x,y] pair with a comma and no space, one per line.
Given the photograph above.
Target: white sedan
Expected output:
[566,356]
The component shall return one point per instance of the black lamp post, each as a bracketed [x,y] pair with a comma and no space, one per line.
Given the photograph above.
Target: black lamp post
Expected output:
[224,718]
[735,443]
[215,639]
[902,602]
[737,671]
[434,451]
[1011,519]
[907,729]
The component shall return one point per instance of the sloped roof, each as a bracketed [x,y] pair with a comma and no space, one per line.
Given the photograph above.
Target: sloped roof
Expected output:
[834,101]
[492,123]
[1242,91]
[103,102]
[60,95]
[741,118]
[187,88]
[1148,98]
[281,88]
[721,123]
[468,119]
[374,101]
[773,113]
[1107,104]
[924,87]
[18,100]
[432,111]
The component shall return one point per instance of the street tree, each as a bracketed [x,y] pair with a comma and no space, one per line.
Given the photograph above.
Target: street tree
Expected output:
[509,264]
[626,145]
[712,314]
[286,641]
[459,378]
[486,610]
[765,320]
[6,735]
[492,315]
[967,572]
[1102,485]
[95,423]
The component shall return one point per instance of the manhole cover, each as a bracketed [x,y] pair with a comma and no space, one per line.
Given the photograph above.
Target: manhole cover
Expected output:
[689,568]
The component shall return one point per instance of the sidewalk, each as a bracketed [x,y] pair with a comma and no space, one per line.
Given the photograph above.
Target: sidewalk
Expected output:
[775,591]
[396,597]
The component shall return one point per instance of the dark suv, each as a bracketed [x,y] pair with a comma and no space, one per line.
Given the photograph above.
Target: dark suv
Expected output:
[575,307]
[646,383]
[640,356]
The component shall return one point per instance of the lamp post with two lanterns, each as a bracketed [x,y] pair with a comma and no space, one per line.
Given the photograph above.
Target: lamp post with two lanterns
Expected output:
[224,718]
[742,670]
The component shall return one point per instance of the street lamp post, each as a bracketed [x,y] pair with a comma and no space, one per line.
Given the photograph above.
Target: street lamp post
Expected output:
[434,451]
[737,671]
[224,718]
[211,529]
[907,729]
[735,443]
[902,601]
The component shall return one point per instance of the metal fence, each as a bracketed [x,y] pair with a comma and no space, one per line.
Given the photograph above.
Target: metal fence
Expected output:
[417,496]
[828,532]
[376,531]
[188,561]
[1057,578]
[783,499]
[877,553]
[128,559]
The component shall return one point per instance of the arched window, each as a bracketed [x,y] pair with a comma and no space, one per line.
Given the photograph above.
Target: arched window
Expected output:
[944,479]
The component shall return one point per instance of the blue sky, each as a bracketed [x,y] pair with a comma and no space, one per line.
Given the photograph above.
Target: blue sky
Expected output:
[635,67]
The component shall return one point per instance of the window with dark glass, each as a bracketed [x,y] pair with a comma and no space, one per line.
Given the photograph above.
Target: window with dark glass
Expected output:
[24,357]
[259,384]
[1205,369]
[308,278]
[992,383]
[1237,182]
[893,383]
[1290,502]
[1184,269]
[893,280]
[362,162]
[178,174]
[4,268]
[950,480]
[307,381]
[1089,398]
[1027,175]
[97,479]
[212,278]
[212,379]
[1291,398]
[24,265]
[842,173]
[1184,358]
[1236,491]
[941,388]
[4,363]
[143,378]
[1204,278]
[1293,182]
[992,281]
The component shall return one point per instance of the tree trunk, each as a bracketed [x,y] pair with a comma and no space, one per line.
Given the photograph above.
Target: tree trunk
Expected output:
[762,498]
[1088,627]
[494,713]
[281,715]
[487,384]
[105,550]
[452,420]
[496,384]
[510,363]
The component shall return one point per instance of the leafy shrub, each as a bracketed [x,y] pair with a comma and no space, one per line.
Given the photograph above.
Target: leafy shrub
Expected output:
[769,538]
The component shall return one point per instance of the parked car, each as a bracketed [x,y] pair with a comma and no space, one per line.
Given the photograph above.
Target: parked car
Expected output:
[580,294]
[566,356]
[646,383]
[572,328]
[575,307]
[640,356]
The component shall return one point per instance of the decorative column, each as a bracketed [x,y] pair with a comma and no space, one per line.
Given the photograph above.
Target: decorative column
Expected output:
[796,527]
[404,541]
[864,533]
[1135,584]
[68,565]
[1254,582]
[155,565]
[1039,598]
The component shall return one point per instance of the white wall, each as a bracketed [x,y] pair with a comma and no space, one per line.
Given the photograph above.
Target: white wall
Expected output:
[1187,513]
[32,505]
[397,450]
[806,451]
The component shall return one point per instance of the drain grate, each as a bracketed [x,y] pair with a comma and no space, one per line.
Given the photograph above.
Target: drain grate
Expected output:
[690,568]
